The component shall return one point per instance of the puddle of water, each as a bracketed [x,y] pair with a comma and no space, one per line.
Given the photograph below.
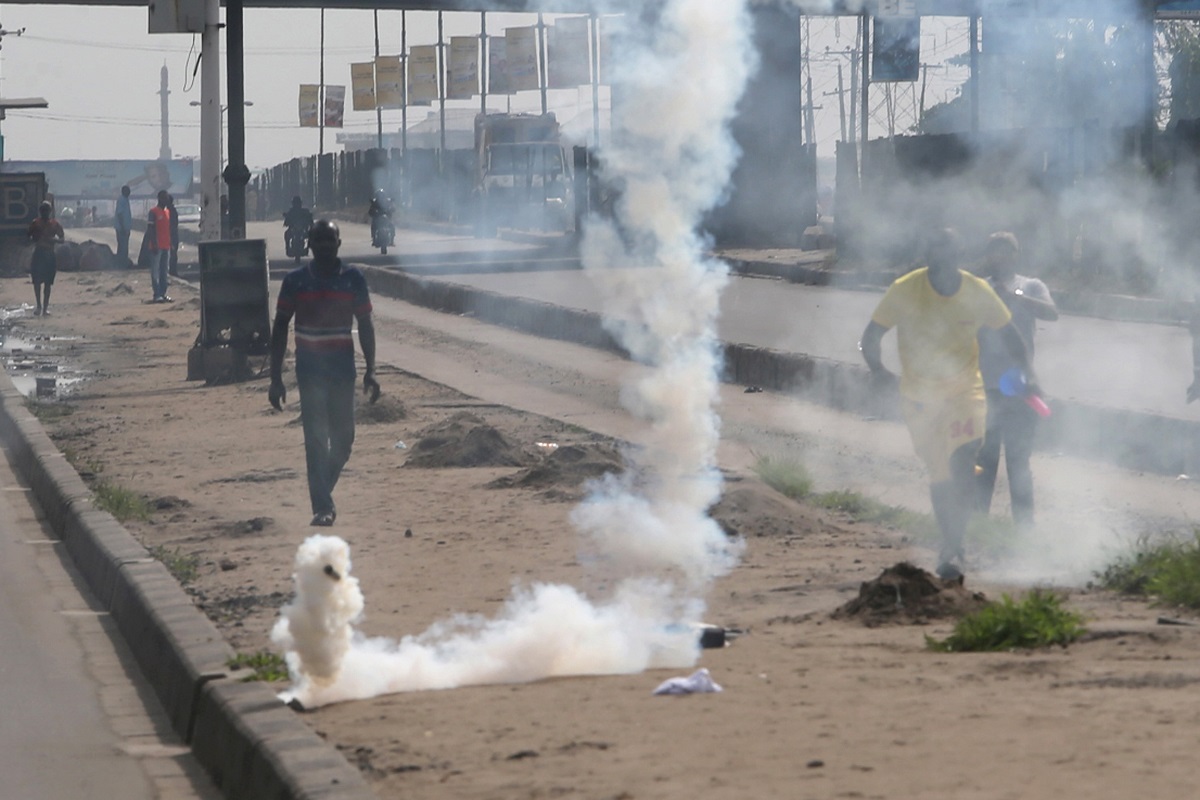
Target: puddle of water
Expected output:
[31,358]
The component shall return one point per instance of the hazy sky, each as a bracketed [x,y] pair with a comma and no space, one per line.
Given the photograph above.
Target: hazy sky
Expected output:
[100,69]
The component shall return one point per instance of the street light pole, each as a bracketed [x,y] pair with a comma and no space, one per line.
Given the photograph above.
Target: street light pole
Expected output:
[236,174]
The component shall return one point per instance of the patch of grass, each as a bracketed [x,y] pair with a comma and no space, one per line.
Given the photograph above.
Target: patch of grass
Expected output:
[48,412]
[1169,570]
[789,478]
[185,567]
[1037,620]
[120,502]
[861,508]
[267,666]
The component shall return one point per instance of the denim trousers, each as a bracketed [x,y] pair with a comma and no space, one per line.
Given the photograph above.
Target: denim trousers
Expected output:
[1011,425]
[327,415]
[160,260]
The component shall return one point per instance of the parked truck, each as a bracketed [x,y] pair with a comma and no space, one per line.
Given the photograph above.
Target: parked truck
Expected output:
[524,173]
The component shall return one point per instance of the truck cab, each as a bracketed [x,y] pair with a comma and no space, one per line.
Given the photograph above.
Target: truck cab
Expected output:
[524,178]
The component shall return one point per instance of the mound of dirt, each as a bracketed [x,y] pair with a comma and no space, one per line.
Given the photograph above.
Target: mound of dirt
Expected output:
[563,472]
[384,410]
[907,595]
[465,440]
[752,509]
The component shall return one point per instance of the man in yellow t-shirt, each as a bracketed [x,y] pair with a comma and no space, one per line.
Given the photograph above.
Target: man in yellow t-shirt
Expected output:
[937,312]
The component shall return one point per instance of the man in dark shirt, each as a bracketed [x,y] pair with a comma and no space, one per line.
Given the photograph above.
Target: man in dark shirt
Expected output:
[1011,424]
[326,298]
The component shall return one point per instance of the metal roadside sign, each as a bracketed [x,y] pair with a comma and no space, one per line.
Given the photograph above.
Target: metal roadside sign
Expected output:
[20,195]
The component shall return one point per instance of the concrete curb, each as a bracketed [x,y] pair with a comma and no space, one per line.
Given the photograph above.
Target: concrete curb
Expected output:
[252,745]
[1130,439]
[1124,308]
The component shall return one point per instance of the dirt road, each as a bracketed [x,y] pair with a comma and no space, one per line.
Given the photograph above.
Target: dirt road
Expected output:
[813,707]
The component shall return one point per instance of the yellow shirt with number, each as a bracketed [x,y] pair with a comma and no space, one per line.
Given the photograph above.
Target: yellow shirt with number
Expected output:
[939,351]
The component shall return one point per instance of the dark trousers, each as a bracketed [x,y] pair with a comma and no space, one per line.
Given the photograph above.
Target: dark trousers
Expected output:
[327,414]
[122,248]
[1011,425]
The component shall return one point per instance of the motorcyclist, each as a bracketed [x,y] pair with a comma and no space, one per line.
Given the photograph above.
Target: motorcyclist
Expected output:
[296,219]
[380,213]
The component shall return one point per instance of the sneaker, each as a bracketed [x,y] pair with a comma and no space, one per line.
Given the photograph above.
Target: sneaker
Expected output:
[324,519]
[166,298]
[45,312]
[37,312]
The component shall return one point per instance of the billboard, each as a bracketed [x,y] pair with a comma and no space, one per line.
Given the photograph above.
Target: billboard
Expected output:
[310,103]
[335,106]
[896,51]
[463,81]
[389,82]
[102,180]
[362,86]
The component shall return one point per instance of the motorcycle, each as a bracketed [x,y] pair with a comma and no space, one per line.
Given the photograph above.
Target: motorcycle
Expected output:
[383,233]
[296,242]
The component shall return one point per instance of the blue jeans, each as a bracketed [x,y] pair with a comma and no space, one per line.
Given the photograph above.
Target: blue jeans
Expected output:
[327,414]
[159,261]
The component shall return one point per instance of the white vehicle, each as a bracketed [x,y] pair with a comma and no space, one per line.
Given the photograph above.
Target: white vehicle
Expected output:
[189,214]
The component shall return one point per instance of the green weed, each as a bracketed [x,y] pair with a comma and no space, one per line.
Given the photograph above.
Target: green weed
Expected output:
[48,412]
[120,502]
[1038,620]
[1169,570]
[185,567]
[789,478]
[267,666]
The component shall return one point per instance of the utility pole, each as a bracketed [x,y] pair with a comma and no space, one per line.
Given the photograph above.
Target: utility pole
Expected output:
[164,150]
[321,98]
[854,83]
[541,26]
[378,109]
[841,96]
[236,174]
[210,122]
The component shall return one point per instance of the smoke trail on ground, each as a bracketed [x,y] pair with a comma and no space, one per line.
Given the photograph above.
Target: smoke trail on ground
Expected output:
[678,73]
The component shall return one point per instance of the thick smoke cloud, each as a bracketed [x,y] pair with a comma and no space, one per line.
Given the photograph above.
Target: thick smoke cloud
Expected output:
[680,70]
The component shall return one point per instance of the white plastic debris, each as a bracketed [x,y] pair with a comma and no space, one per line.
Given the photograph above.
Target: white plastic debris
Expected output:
[400,446]
[699,682]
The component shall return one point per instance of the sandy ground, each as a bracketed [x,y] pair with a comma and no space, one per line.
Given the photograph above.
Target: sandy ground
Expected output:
[813,707]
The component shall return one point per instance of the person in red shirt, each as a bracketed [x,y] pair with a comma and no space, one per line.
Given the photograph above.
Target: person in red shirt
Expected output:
[160,247]
[44,232]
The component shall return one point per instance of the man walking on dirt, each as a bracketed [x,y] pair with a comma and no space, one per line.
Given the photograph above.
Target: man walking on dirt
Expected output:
[45,232]
[326,298]
[1011,423]
[938,312]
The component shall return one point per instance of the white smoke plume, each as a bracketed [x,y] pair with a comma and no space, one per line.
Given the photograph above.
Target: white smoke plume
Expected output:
[679,74]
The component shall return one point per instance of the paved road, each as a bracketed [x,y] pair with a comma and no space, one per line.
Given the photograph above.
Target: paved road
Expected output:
[1135,366]
[77,721]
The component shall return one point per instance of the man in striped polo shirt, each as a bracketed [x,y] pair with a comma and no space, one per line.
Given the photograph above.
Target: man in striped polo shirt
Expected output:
[326,298]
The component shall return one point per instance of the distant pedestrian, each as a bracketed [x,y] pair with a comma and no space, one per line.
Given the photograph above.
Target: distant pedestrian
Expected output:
[45,232]
[1011,423]
[326,299]
[158,238]
[173,266]
[123,225]
[937,312]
